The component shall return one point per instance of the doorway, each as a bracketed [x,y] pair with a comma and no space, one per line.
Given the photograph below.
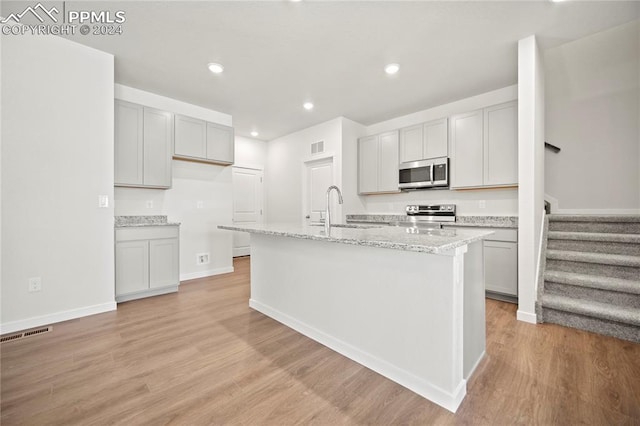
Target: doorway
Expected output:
[247,205]
[318,177]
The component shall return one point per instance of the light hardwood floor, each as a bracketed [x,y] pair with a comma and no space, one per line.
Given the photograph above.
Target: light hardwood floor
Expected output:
[202,356]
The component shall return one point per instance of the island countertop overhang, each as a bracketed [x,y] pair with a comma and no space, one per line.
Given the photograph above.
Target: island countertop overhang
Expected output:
[424,241]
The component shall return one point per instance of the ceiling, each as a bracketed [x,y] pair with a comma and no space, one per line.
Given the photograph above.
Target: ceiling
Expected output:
[279,54]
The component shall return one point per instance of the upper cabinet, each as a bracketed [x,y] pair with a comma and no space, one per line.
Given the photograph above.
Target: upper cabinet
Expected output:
[199,140]
[423,141]
[378,163]
[484,147]
[143,146]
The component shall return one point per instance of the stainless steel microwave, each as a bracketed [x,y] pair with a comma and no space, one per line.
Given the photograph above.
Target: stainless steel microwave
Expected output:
[424,174]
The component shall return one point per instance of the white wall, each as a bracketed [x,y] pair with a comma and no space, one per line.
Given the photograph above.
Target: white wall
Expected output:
[531,128]
[193,184]
[250,153]
[57,158]
[496,201]
[351,131]
[285,167]
[592,101]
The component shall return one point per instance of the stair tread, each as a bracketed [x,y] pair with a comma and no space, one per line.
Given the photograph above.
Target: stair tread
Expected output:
[593,281]
[594,236]
[592,309]
[608,218]
[601,258]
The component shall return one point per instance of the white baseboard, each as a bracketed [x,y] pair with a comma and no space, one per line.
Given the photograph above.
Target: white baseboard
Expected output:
[207,273]
[473,369]
[526,317]
[450,401]
[241,251]
[13,326]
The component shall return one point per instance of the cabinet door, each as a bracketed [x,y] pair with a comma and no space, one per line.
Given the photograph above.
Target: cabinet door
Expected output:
[128,143]
[411,143]
[220,143]
[163,263]
[368,164]
[190,137]
[132,267]
[388,162]
[501,267]
[501,144]
[466,150]
[158,147]
[436,139]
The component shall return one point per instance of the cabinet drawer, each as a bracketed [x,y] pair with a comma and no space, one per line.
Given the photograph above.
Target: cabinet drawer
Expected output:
[503,235]
[146,233]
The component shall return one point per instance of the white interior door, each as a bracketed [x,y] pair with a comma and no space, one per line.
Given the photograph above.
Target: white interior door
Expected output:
[319,177]
[247,205]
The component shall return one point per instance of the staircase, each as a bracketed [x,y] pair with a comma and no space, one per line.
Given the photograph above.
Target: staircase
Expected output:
[592,274]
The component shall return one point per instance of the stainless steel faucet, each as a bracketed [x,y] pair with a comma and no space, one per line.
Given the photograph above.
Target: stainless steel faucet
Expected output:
[327,216]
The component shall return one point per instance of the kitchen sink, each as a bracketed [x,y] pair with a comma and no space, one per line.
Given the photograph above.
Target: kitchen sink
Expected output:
[348,225]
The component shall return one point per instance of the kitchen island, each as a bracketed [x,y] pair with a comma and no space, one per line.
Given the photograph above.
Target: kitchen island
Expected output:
[406,304]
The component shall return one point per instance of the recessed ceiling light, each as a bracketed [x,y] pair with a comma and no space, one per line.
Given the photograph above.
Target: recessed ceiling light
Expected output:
[254,133]
[308,106]
[215,68]
[392,69]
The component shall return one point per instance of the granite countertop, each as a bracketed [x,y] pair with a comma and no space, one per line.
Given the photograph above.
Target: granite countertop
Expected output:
[478,221]
[135,221]
[397,238]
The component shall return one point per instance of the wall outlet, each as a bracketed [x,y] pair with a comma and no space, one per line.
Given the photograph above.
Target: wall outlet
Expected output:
[482,204]
[35,284]
[149,204]
[202,259]
[199,204]
[103,201]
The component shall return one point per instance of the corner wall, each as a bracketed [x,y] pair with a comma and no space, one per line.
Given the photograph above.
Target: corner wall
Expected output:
[593,115]
[285,167]
[201,196]
[530,173]
[57,158]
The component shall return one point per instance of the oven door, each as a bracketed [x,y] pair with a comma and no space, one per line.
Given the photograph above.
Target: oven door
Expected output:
[415,174]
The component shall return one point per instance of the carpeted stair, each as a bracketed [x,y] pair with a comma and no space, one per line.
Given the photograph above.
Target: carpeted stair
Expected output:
[592,274]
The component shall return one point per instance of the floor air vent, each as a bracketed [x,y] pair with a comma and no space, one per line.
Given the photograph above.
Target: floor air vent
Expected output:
[24,334]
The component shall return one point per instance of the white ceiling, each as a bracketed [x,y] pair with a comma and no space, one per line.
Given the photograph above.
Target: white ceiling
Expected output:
[279,54]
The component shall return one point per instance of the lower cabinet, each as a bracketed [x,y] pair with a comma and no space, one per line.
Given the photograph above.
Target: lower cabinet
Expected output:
[500,263]
[147,261]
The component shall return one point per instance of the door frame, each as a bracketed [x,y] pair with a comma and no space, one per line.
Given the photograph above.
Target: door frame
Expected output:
[335,177]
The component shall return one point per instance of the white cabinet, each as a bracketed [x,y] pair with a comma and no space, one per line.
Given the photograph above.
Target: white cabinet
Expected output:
[378,163]
[423,141]
[219,143]
[147,261]
[466,150]
[500,262]
[484,147]
[501,144]
[143,146]
[199,140]
[191,137]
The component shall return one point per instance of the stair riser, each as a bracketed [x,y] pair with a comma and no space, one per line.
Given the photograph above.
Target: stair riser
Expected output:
[626,272]
[594,247]
[610,227]
[594,294]
[595,325]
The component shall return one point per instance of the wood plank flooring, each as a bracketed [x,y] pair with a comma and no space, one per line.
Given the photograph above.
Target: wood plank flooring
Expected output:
[202,356]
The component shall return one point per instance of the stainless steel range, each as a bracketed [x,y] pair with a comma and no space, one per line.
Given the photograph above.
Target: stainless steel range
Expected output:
[428,216]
